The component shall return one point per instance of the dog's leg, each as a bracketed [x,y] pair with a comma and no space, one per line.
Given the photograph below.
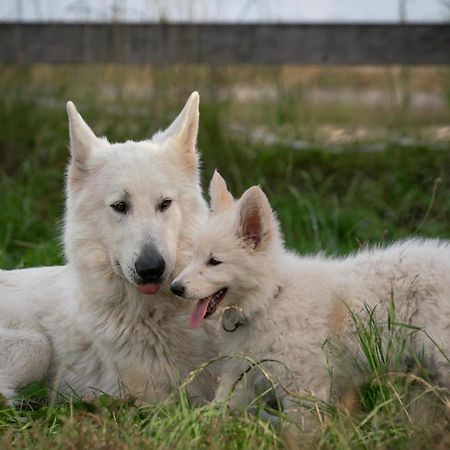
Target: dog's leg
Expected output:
[236,394]
[224,389]
[24,358]
[434,351]
[439,361]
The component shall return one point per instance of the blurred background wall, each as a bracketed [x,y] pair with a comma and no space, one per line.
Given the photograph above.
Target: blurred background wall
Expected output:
[226,11]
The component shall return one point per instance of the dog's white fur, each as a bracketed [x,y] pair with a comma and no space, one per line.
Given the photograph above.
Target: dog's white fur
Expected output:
[290,305]
[85,326]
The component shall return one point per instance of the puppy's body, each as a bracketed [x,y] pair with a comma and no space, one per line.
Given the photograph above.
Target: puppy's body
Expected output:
[106,321]
[290,305]
[308,304]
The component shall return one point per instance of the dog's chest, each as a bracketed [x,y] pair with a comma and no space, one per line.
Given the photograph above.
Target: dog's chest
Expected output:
[253,337]
[278,330]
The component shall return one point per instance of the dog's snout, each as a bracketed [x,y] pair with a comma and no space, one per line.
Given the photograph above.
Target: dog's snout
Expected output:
[177,288]
[150,266]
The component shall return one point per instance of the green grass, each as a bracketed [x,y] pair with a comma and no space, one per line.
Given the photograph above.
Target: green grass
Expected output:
[331,202]
[107,423]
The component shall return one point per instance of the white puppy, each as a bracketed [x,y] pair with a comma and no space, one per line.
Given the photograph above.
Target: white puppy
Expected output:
[289,305]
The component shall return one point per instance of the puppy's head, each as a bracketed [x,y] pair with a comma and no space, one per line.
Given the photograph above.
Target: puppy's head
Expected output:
[129,205]
[231,252]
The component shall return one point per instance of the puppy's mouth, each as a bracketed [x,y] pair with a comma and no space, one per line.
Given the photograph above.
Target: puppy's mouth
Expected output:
[206,306]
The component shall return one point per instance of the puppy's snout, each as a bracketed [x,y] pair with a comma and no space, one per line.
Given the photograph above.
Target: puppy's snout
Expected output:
[178,288]
[150,266]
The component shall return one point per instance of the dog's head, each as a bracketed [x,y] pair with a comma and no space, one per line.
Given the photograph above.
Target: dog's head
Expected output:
[129,205]
[231,252]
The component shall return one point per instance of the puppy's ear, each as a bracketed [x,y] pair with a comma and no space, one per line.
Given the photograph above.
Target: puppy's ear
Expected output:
[256,222]
[221,198]
[183,132]
[82,139]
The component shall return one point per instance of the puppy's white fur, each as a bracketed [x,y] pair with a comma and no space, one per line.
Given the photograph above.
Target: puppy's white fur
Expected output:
[85,326]
[290,305]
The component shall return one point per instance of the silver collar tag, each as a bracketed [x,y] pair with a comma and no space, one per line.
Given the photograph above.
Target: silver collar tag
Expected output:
[232,318]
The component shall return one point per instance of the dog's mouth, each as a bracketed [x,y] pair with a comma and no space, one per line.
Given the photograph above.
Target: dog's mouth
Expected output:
[206,306]
[149,288]
[142,286]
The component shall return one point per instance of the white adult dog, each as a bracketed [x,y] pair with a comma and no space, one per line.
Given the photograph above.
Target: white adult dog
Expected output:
[107,321]
[288,305]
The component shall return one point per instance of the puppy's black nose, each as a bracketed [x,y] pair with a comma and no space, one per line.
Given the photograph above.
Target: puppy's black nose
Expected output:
[150,266]
[177,289]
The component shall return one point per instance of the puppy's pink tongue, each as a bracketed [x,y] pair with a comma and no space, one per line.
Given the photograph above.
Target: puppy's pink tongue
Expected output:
[199,312]
[149,289]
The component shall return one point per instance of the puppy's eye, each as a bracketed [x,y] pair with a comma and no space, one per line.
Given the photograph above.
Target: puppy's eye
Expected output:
[213,261]
[165,204]
[120,207]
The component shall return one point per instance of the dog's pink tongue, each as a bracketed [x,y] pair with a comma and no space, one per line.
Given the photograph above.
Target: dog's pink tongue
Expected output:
[199,312]
[149,289]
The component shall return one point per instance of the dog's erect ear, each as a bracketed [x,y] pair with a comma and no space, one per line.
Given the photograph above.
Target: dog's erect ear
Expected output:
[256,222]
[82,139]
[184,130]
[221,198]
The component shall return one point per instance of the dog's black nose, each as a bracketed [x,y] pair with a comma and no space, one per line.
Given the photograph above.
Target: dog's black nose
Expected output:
[177,289]
[150,266]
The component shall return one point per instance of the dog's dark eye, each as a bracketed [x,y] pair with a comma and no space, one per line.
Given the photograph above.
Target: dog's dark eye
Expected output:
[165,204]
[120,207]
[213,261]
